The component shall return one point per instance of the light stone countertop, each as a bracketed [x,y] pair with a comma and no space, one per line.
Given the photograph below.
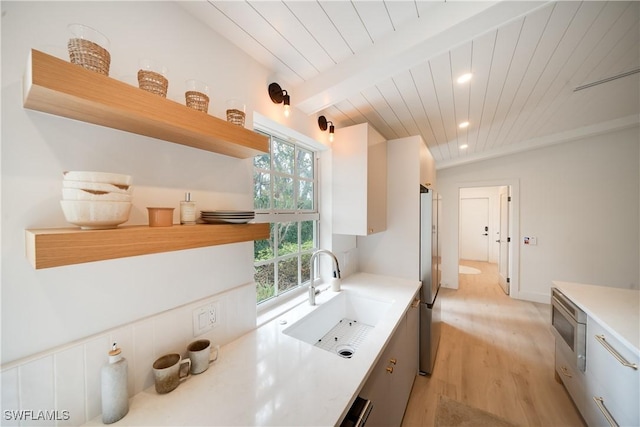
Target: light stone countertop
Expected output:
[616,309]
[268,378]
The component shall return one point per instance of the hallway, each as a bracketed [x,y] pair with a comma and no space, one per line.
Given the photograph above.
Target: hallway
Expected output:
[495,354]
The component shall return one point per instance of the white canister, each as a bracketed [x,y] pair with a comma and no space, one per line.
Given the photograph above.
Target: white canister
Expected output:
[115,395]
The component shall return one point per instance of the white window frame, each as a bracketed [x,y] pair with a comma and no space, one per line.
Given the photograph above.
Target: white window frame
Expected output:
[265,125]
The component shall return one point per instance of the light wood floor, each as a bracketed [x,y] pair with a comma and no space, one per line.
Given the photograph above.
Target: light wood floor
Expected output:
[496,354]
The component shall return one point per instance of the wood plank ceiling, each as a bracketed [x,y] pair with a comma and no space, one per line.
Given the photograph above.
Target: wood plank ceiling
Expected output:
[395,64]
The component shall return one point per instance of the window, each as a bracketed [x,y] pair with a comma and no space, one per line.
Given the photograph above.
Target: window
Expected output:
[285,195]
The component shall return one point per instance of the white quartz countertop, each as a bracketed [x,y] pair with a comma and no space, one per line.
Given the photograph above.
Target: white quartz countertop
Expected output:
[616,309]
[268,378]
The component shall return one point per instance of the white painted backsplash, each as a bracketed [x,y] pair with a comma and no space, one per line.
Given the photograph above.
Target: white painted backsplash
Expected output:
[63,384]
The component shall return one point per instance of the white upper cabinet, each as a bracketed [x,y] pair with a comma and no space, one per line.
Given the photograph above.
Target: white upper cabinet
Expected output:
[427,167]
[359,156]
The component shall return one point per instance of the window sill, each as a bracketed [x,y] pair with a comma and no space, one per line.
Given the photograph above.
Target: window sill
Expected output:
[278,308]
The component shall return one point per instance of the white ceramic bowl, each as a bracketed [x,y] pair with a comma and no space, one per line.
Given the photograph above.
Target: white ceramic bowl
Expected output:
[97,186]
[103,177]
[95,215]
[85,194]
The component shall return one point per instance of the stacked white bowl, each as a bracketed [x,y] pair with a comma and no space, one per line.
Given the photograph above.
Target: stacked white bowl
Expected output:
[96,200]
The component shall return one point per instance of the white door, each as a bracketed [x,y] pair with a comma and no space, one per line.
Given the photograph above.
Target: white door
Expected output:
[474,229]
[503,239]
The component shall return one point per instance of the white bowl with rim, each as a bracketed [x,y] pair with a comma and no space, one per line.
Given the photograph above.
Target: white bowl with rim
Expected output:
[103,177]
[95,215]
[97,186]
[97,195]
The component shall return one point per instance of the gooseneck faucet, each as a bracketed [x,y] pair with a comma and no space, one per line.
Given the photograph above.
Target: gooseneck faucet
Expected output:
[336,271]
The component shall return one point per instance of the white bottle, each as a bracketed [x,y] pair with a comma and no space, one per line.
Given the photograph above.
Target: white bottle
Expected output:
[115,395]
[187,210]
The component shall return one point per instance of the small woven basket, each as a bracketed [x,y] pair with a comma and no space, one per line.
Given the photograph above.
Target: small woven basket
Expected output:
[153,82]
[235,116]
[89,55]
[197,100]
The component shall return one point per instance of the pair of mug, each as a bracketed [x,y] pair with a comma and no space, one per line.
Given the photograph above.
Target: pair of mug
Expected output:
[169,370]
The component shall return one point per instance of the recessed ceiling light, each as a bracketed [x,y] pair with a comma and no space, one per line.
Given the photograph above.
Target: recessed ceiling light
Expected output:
[463,125]
[464,146]
[464,78]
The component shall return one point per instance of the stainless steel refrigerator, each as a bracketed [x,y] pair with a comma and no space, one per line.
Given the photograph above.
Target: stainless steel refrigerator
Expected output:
[430,277]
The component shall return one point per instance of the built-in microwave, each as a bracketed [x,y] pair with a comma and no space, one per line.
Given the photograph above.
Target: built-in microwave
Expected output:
[569,325]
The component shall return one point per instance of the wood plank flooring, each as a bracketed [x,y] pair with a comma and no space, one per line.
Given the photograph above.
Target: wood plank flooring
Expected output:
[496,354]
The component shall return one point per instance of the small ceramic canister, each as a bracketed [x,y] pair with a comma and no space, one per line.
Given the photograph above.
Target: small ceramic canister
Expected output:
[160,217]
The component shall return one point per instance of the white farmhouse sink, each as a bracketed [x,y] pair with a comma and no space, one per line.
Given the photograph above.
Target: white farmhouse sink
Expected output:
[346,309]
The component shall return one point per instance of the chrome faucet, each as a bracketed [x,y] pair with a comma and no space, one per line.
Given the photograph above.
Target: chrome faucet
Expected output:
[336,271]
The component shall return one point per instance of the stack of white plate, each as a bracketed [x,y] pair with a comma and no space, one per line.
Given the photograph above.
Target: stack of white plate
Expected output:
[96,200]
[229,217]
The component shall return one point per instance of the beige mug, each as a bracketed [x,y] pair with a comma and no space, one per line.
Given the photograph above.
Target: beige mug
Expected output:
[202,354]
[168,372]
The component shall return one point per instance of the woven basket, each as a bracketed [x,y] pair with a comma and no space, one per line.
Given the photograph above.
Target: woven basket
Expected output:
[235,116]
[89,55]
[197,100]
[153,82]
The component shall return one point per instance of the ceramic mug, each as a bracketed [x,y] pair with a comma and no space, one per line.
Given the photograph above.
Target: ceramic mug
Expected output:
[168,372]
[202,354]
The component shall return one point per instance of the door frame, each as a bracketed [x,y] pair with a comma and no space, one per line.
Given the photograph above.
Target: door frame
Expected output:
[514,227]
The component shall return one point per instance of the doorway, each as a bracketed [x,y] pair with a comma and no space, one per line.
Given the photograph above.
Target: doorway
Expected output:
[483,232]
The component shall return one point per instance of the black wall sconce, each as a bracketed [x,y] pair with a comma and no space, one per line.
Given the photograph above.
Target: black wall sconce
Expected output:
[279,96]
[322,122]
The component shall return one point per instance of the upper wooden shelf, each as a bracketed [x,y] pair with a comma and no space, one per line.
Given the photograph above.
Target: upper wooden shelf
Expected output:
[55,86]
[65,246]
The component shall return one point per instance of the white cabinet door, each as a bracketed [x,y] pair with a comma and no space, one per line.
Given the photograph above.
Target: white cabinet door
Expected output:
[427,167]
[389,384]
[359,184]
[615,385]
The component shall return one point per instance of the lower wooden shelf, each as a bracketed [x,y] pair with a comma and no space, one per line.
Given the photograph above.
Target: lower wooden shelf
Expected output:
[65,246]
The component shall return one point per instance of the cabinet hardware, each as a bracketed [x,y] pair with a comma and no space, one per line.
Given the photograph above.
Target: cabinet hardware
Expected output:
[600,404]
[565,372]
[601,339]
[390,369]
[393,361]
[415,303]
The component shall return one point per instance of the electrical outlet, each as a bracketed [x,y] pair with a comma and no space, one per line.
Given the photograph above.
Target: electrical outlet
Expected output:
[205,318]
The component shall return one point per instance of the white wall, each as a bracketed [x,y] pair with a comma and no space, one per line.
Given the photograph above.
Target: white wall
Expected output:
[579,198]
[46,308]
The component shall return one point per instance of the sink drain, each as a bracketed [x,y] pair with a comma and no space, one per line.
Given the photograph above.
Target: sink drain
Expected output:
[345,351]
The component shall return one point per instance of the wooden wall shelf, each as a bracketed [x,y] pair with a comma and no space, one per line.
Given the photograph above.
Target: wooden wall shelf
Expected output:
[55,86]
[65,246]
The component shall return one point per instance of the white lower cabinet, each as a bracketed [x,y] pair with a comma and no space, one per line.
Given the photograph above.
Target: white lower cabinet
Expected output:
[390,382]
[613,380]
[608,392]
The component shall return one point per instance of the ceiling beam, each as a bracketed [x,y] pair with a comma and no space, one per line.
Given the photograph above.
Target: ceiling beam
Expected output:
[453,24]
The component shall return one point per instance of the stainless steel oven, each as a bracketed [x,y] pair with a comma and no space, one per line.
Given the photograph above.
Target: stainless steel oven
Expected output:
[569,325]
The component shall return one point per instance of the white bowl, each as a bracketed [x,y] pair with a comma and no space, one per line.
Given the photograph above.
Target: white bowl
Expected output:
[95,215]
[97,186]
[98,195]
[104,177]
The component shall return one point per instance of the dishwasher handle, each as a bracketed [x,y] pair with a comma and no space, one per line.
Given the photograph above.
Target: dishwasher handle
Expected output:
[358,413]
